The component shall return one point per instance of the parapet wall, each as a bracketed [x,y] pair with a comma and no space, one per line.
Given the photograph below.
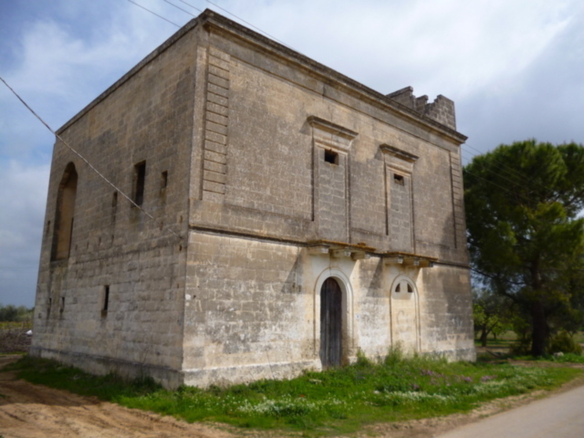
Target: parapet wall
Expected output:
[441,110]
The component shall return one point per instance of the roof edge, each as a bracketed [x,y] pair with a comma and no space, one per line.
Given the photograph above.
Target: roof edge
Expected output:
[209,18]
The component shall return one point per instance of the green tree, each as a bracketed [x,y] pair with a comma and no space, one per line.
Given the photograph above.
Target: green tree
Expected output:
[491,313]
[525,237]
[11,313]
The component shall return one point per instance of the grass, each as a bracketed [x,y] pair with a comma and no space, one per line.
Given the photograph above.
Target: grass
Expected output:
[10,325]
[317,403]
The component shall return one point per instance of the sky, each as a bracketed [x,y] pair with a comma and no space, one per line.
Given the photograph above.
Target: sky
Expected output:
[514,68]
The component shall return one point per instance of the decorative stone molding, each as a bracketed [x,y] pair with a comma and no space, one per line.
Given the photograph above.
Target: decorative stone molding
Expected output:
[331,135]
[340,250]
[216,122]
[407,259]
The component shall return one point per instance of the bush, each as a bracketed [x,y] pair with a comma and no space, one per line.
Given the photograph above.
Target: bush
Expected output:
[11,313]
[562,342]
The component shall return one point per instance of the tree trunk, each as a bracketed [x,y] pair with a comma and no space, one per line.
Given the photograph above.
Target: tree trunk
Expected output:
[539,333]
[484,334]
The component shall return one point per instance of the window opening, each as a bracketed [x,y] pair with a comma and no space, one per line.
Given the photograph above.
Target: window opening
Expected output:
[163,180]
[104,308]
[398,287]
[410,290]
[62,304]
[139,181]
[49,307]
[398,179]
[331,157]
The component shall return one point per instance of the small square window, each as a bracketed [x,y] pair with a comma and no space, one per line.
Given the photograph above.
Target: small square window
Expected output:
[331,157]
[398,179]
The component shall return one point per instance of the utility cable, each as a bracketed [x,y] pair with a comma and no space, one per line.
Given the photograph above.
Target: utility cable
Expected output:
[188,4]
[179,8]
[87,162]
[152,12]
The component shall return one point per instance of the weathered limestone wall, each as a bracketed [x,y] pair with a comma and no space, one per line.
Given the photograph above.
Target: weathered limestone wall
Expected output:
[277,182]
[253,309]
[145,117]
[302,160]
[446,312]
[259,158]
[247,313]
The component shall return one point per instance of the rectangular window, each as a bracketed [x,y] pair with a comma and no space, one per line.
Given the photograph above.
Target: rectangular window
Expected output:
[331,157]
[105,305]
[163,180]
[139,182]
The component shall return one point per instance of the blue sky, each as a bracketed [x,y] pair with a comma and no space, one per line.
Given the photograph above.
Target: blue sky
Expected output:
[513,67]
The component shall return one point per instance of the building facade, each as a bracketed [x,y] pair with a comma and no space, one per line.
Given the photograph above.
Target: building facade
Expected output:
[283,217]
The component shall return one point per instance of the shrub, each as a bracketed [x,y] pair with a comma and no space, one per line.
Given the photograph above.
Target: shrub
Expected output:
[564,343]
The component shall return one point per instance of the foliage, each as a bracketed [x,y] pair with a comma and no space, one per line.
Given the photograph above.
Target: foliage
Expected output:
[562,342]
[11,313]
[491,313]
[568,358]
[525,237]
[331,402]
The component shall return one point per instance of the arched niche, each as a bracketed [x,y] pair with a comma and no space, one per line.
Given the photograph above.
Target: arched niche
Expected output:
[405,314]
[64,214]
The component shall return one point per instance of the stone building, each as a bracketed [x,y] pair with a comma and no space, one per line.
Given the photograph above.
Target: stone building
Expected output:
[298,217]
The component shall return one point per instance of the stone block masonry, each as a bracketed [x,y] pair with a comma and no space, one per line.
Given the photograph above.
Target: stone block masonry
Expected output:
[317,218]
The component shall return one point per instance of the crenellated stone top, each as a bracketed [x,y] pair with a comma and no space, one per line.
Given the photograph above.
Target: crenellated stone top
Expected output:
[441,110]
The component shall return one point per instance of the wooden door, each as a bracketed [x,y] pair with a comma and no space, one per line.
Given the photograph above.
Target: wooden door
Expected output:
[331,323]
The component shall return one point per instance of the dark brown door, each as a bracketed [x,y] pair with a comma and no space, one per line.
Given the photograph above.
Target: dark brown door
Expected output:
[331,323]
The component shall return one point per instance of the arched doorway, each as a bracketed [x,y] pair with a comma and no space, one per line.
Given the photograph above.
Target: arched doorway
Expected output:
[331,323]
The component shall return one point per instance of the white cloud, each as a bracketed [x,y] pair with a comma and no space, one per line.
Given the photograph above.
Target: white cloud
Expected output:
[431,45]
[23,190]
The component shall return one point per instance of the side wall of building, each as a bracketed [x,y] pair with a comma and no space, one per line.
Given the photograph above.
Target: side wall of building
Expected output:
[112,299]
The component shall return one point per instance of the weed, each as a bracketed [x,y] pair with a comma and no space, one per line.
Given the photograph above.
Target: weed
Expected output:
[335,401]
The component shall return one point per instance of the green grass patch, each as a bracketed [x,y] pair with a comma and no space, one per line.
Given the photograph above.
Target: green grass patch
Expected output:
[318,403]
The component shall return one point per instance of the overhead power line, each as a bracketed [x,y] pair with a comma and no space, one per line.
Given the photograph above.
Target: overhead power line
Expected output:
[152,12]
[181,9]
[102,176]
